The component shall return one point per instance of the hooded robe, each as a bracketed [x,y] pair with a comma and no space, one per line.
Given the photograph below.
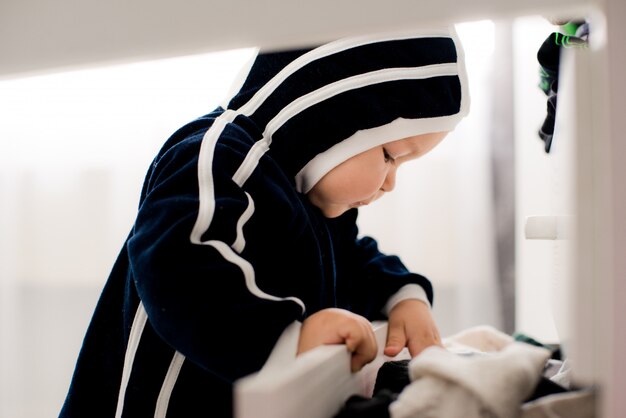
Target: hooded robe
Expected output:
[226,251]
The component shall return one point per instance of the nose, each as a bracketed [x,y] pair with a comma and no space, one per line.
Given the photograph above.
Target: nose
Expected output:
[390,180]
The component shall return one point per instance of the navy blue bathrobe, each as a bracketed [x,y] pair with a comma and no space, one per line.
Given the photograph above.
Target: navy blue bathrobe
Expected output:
[226,251]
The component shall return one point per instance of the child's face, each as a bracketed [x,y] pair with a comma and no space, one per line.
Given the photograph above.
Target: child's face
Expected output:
[365,177]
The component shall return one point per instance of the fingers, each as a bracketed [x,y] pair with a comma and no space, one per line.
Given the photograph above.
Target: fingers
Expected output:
[396,339]
[423,339]
[361,342]
[358,360]
[338,326]
[411,324]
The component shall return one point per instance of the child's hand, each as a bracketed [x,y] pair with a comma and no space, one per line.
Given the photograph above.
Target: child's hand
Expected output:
[411,325]
[338,326]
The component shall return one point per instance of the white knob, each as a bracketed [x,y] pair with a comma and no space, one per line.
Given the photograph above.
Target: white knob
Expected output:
[548,227]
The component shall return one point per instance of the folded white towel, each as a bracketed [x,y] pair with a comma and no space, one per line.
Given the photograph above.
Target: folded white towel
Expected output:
[445,384]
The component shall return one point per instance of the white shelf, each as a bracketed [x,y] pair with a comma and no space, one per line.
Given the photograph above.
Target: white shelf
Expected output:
[40,36]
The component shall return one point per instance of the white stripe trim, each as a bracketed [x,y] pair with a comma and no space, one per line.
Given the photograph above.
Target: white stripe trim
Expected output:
[249,163]
[205,175]
[240,242]
[329,49]
[248,272]
[168,385]
[462,69]
[206,210]
[139,323]
[367,139]
[324,93]
[352,83]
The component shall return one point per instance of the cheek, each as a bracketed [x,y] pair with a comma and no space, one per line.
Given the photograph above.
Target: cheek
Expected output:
[363,188]
[358,179]
[366,185]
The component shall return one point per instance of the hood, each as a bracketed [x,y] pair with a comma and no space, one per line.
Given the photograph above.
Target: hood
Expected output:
[318,107]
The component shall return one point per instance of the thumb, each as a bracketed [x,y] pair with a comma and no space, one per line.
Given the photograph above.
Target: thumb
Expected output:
[396,339]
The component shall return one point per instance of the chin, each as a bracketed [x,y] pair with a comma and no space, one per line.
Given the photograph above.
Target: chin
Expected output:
[333,213]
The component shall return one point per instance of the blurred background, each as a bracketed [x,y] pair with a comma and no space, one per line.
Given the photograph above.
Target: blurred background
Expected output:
[76,145]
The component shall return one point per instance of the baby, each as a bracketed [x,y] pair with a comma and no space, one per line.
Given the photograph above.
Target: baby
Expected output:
[247,225]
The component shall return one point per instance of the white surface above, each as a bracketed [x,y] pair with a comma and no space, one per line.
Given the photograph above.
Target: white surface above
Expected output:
[37,36]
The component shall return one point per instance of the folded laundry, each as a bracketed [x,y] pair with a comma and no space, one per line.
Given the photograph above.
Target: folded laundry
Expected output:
[448,385]
[480,372]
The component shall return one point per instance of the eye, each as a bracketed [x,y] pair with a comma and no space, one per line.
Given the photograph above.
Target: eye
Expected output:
[388,158]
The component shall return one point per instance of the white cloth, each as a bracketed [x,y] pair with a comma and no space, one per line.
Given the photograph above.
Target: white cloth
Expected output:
[478,339]
[445,384]
[563,375]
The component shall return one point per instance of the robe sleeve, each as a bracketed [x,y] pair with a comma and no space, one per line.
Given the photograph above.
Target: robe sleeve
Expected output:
[370,281]
[202,299]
